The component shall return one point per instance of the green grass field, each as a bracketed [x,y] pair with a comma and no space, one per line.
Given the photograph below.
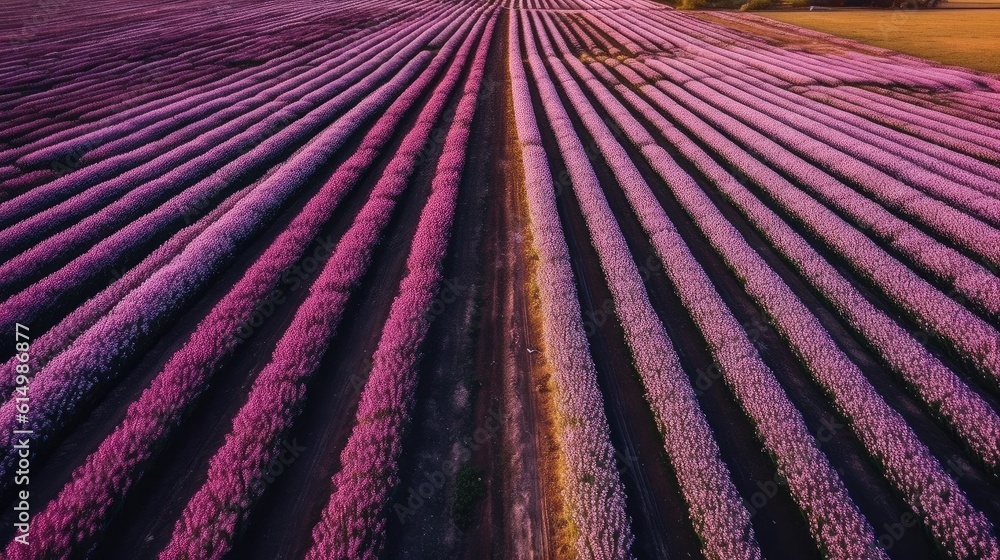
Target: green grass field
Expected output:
[963,37]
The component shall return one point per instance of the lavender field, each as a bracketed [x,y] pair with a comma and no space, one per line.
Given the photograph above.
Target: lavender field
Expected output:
[593,279]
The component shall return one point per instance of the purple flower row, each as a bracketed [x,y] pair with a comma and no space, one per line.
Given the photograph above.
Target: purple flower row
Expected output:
[95,358]
[962,530]
[213,515]
[89,93]
[717,511]
[968,414]
[906,461]
[45,293]
[160,176]
[194,104]
[62,335]
[966,277]
[966,231]
[848,100]
[873,150]
[932,309]
[592,491]
[108,474]
[834,520]
[89,136]
[352,525]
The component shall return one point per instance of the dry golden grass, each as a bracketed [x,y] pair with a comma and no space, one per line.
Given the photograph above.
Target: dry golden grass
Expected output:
[962,37]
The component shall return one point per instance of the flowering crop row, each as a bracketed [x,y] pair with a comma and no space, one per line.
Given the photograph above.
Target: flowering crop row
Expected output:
[199,102]
[59,337]
[230,126]
[716,508]
[62,188]
[142,189]
[847,101]
[951,192]
[969,279]
[933,310]
[166,177]
[874,60]
[964,532]
[115,91]
[972,132]
[908,464]
[592,490]
[834,520]
[214,513]
[961,229]
[95,357]
[824,68]
[353,522]
[962,408]
[111,471]
[107,84]
[46,293]
[971,417]
[969,174]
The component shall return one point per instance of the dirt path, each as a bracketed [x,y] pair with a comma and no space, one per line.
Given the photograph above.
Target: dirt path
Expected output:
[528,439]
[456,426]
